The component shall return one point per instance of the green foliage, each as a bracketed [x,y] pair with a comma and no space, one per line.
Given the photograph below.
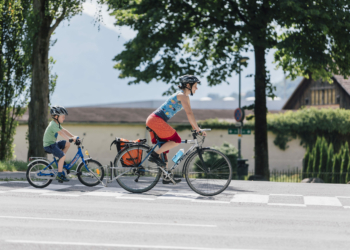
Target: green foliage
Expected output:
[344,163]
[317,156]
[310,165]
[14,71]
[323,163]
[305,162]
[229,150]
[324,159]
[308,125]
[13,166]
[330,159]
[336,168]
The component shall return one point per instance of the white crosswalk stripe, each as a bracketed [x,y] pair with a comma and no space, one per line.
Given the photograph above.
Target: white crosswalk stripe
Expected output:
[250,198]
[322,201]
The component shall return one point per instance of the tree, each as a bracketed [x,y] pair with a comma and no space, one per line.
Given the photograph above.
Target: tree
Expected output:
[344,163]
[336,167]
[324,159]
[177,37]
[46,16]
[14,71]
[328,178]
[305,162]
[317,157]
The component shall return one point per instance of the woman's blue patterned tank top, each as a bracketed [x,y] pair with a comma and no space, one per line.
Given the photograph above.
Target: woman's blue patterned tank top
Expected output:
[169,108]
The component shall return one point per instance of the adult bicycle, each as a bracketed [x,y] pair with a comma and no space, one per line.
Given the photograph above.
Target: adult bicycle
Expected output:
[41,172]
[207,171]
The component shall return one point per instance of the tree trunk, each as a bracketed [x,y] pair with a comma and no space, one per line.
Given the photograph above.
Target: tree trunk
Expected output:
[39,92]
[261,150]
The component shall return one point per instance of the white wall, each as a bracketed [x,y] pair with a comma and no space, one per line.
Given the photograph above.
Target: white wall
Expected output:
[98,138]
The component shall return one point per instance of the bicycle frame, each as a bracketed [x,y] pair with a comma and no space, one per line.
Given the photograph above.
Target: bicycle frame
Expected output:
[159,144]
[78,155]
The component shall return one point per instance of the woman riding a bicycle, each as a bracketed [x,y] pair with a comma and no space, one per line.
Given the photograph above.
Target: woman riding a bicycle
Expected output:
[157,121]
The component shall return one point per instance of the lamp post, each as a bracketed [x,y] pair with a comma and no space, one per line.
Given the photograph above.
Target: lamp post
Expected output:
[241,60]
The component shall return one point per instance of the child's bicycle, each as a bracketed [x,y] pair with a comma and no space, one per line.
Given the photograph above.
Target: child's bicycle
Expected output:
[207,171]
[41,171]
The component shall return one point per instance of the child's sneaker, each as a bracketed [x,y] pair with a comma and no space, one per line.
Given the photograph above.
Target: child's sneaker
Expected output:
[61,178]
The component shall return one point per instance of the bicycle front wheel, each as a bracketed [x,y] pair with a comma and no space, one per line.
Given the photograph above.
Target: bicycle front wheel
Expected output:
[133,170]
[88,176]
[209,173]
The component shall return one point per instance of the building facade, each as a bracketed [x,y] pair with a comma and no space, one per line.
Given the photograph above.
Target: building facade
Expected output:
[320,94]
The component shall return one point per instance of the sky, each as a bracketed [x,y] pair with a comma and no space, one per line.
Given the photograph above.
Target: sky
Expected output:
[86,76]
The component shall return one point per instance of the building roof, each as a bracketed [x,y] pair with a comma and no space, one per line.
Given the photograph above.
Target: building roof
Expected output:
[344,83]
[137,115]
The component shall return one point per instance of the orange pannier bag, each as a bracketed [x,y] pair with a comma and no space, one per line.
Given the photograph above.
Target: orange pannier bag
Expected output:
[133,157]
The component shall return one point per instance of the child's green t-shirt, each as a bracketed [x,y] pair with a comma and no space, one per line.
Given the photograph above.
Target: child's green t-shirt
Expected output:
[50,135]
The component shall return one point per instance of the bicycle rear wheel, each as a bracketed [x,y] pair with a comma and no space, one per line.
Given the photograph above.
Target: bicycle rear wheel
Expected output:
[36,168]
[210,175]
[136,173]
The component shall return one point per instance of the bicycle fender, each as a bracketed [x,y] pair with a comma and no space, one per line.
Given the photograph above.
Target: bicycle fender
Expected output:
[38,160]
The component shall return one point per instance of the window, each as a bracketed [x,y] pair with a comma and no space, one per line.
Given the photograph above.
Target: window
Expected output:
[306,101]
[338,99]
[326,96]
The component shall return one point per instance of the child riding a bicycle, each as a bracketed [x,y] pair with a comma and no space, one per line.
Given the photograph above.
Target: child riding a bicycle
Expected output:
[157,121]
[58,148]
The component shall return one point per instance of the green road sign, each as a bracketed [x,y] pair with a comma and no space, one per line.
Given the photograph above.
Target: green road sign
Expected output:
[234,131]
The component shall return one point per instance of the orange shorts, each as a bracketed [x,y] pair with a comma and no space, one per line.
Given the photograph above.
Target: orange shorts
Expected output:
[164,131]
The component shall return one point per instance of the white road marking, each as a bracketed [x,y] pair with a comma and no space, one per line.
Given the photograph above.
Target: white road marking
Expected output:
[3,182]
[104,194]
[115,245]
[322,201]
[286,204]
[135,198]
[110,222]
[210,201]
[48,189]
[346,206]
[81,185]
[250,198]
[343,197]
[287,194]
[178,196]
[60,194]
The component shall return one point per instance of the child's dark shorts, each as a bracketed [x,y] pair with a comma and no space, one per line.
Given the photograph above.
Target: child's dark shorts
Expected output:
[56,149]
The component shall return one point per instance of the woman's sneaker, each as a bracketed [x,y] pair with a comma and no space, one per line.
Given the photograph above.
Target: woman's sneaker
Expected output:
[154,157]
[61,178]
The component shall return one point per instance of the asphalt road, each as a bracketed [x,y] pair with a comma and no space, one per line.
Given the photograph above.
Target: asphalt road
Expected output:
[249,215]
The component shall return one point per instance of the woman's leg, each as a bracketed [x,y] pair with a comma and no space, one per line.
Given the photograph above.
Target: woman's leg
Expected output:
[167,146]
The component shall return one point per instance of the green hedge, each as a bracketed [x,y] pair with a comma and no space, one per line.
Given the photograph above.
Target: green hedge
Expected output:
[307,124]
[322,162]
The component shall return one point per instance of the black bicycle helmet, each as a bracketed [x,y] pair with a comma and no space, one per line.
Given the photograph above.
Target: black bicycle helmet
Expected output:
[58,110]
[188,79]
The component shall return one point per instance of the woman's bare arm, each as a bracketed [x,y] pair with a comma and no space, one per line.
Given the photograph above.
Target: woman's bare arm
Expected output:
[185,101]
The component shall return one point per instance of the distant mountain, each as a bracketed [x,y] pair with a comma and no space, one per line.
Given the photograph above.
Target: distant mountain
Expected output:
[286,91]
